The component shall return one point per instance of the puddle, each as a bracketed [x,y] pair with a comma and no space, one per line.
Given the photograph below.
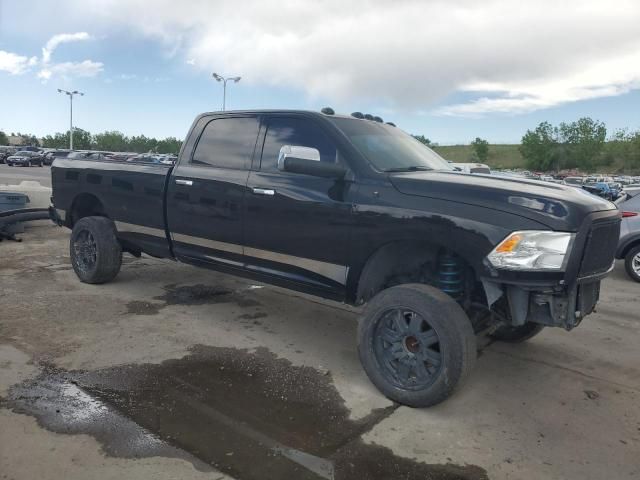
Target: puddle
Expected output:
[248,414]
[203,295]
[143,308]
[193,295]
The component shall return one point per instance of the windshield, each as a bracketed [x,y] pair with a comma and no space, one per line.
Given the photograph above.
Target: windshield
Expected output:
[388,148]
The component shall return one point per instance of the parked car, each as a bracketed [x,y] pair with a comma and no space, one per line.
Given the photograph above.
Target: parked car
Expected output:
[356,211]
[471,167]
[6,151]
[573,181]
[25,158]
[629,243]
[87,155]
[51,155]
[602,189]
[145,158]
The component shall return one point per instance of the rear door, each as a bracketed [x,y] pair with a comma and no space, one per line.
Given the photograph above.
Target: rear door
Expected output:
[207,190]
[296,225]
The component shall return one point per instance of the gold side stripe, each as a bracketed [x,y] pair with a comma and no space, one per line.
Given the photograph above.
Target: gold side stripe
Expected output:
[125,227]
[337,273]
[207,243]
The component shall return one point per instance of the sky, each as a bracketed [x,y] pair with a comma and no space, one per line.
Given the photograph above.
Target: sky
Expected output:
[450,70]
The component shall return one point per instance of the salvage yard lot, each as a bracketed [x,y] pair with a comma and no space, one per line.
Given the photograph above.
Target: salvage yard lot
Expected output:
[176,372]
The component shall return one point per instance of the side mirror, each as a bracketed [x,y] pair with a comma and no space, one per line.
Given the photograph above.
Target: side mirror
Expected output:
[306,160]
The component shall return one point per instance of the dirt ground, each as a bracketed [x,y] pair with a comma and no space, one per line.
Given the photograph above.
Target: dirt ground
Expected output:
[176,372]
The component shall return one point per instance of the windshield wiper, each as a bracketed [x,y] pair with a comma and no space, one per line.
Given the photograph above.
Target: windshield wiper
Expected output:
[415,168]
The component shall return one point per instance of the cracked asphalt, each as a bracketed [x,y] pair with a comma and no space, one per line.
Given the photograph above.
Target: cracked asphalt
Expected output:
[176,372]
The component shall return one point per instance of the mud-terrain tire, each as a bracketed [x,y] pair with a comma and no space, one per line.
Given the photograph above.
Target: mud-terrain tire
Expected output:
[416,344]
[95,252]
[632,263]
[509,334]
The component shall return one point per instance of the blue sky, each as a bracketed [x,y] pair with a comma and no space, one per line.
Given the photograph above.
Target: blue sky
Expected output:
[147,69]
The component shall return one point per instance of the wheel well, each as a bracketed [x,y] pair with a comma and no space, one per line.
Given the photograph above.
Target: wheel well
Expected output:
[414,262]
[627,248]
[85,205]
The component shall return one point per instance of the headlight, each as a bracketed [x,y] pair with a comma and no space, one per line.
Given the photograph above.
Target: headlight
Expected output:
[532,250]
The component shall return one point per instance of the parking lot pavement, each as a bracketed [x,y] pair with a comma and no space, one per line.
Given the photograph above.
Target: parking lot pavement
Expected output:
[176,372]
[14,175]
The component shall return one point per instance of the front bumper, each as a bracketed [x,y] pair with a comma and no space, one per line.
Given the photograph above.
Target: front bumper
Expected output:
[563,299]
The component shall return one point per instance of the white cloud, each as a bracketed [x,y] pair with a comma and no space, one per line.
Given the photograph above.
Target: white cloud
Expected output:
[507,56]
[86,68]
[15,64]
[56,40]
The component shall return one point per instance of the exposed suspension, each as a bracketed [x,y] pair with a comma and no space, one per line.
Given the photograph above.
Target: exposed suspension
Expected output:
[451,275]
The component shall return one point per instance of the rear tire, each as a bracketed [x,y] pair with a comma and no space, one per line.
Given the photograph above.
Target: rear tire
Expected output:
[95,252]
[632,263]
[509,334]
[416,344]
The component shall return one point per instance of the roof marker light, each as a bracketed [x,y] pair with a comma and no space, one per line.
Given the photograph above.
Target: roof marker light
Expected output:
[368,116]
[357,115]
[327,111]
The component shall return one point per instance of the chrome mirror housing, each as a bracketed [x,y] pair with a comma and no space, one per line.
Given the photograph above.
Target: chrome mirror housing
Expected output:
[298,152]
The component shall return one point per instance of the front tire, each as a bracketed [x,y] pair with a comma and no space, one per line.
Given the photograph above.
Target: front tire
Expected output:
[96,255]
[632,263]
[509,334]
[416,344]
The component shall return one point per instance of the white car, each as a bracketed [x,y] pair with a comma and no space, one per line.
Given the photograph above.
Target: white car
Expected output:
[472,167]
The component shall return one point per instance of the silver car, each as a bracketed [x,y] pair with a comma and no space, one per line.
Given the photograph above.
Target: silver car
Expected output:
[629,243]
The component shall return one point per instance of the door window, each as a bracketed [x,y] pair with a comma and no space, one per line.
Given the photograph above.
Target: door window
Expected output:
[227,143]
[294,131]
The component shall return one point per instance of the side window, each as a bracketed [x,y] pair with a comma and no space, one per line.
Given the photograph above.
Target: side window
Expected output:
[294,131]
[227,143]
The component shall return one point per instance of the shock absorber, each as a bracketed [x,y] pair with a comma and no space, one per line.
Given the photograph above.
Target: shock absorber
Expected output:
[450,275]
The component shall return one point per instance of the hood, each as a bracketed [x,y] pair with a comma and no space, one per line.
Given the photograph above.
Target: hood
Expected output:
[559,207]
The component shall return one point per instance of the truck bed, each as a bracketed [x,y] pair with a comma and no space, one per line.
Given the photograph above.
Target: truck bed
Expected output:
[132,194]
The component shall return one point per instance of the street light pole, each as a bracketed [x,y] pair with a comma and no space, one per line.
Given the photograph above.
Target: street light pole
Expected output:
[224,81]
[70,94]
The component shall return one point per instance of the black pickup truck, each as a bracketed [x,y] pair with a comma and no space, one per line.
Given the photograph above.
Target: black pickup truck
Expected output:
[354,210]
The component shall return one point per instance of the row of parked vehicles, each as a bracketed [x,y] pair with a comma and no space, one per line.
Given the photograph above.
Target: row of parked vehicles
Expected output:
[29,156]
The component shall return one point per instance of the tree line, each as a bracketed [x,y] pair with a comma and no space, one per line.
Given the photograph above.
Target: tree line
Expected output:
[582,144]
[111,141]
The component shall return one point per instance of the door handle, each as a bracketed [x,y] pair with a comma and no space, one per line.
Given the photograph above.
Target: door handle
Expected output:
[264,191]
[180,181]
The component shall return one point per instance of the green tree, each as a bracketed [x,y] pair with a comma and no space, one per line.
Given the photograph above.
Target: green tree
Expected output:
[58,140]
[169,145]
[481,149]
[540,147]
[112,141]
[4,140]
[81,139]
[142,144]
[623,148]
[584,140]
[423,139]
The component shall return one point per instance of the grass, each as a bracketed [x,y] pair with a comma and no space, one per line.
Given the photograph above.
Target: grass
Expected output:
[500,156]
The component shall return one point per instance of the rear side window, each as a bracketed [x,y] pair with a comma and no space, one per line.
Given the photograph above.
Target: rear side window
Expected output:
[300,132]
[227,143]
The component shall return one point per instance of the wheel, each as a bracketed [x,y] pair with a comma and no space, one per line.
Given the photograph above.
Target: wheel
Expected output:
[416,344]
[95,252]
[632,263]
[509,334]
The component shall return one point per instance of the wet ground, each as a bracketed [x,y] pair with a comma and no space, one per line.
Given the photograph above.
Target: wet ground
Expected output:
[247,414]
[177,372]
